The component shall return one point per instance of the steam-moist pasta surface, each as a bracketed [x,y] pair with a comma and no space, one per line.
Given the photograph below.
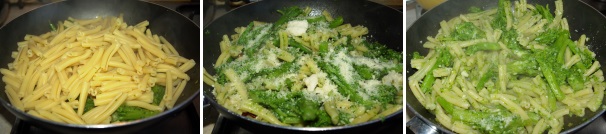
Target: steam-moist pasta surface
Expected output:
[95,71]
[511,69]
[307,71]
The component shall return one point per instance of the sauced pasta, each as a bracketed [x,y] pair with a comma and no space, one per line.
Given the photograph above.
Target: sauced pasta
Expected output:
[513,69]
[308,71]
[95,71]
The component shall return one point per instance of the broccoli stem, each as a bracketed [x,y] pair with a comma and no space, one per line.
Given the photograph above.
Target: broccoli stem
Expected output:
[130,113]
[551,100]
[447,106]
[343,88]
[484,79]
[337,22]
[551,80]
[428,80]
[287,14]
[560,45]
[299,45]
[244,36]
[316,19]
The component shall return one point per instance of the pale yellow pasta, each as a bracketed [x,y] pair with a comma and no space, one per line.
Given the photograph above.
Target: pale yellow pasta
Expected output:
[56,75]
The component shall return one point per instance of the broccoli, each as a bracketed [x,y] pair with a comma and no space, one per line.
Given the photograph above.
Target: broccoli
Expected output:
[298,45]
[416,55]
[245,36]
[467,31]
[501,121]
[487,76]
[130,113]
[337,22]
[386,94]
[323,119]
[316,19]
[527,66]
[575,80]
[90,104]
[382,52]
[544,11]
[344,118]
[292,108]
[548,37]
[444,60]
[482,46]
[52,26]
[343,88]
[550,68]
[287,14]
[221,78]
[474,9]
[158,94]
[509,37]
[500,20]
[363,71]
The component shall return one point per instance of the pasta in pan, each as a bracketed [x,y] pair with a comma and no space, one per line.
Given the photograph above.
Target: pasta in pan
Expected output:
[307,71]
[95,71]
[513,69]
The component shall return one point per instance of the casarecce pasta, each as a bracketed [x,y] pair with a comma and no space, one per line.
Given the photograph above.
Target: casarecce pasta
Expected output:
[308,71]
[512,69]
[91,71]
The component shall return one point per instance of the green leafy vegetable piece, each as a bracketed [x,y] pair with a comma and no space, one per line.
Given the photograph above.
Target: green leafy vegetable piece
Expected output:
[158,94]
[337,22]
[130,113]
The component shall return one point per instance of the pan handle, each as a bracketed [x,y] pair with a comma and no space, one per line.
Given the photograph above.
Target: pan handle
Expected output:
[419,126]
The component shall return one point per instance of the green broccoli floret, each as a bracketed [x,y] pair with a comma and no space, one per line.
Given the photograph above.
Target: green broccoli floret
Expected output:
[158,94]
[364,71]
[544,11]
[130,113]
[90,104]
[500,20]
[416,55]
[509,37]
[381,52]
[291,108]
[344,118]
[467,31]
[527,66]
[548,37]
[323,119]
[386,94]
[575,80]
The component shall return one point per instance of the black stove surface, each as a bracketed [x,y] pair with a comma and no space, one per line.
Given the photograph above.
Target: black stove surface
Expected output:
[185,122]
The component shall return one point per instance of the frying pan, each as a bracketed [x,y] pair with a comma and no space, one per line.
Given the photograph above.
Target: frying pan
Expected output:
[384,25]
[181,32]
[582,19]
